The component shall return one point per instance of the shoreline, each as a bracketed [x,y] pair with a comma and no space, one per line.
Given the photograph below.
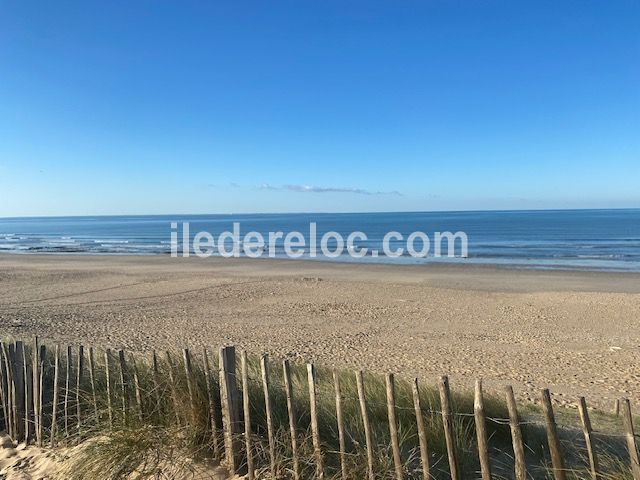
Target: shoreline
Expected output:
[525,327]
[598,280]
[441,263]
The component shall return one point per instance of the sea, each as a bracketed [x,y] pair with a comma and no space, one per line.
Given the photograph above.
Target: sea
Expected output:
[541,239]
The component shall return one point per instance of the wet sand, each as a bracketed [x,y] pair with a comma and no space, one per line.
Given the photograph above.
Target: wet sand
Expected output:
[575,332]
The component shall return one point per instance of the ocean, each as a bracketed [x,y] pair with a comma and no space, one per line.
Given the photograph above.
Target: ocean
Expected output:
[549,239]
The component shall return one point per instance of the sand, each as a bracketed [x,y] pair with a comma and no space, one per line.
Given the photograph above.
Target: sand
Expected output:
[29,462]
[574,332]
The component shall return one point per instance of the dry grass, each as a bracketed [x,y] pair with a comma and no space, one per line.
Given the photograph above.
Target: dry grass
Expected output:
[171,431]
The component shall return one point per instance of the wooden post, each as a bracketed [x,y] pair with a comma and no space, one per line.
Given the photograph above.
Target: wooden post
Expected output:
[447,423]
[3,392]
[264,370]
[365,422]
[107,361]
[393,425]
[553,440]
[13,393]
[92,380]
[136,385]
[28,397]
[19,383]
[188,371]
[54,405]
[230,410]
[288,386]
[35,369]
[627,422]
[481,432]
[40,400]
[8,369]
[79,384]
[246,406]
[212,407]
[422,433]
[42,360]
[588,438]
[172,385]
[516,435]
[67,390]
[155,378]
[124,383]
[340,420]
[315,429]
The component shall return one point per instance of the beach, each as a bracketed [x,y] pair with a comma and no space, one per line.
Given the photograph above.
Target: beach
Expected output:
[575,332]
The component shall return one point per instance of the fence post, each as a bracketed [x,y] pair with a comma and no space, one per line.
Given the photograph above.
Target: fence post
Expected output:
[188,371]
[516,435]
[553,440]
[35,368]
[588,438]
[212,409]
[107,361]
[67,389]
[155,379]
[230,408]
[288,386]
[92,380]
[18,383]
[264,371]
[627,421]
[481,431]
[315,430]
[422,434]
[136,385]
[393,425]
[54,406]
[42,360]
[79,384]
[9,392]
[340,420]
[447,422]
[124,383]
[246,406]
[365,422]
[172,385]
[3,392]
[28,396]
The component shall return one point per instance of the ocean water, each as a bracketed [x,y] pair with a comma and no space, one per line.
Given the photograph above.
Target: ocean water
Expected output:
[565,239]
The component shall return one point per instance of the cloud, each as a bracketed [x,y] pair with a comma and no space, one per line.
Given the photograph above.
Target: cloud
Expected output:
[315,189]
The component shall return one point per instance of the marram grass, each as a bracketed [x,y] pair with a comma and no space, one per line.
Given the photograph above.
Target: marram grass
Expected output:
[169,434]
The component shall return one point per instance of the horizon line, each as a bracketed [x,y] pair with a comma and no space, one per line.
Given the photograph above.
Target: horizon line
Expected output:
[497,210]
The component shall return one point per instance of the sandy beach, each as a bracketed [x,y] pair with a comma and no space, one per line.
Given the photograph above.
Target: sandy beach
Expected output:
[575,332]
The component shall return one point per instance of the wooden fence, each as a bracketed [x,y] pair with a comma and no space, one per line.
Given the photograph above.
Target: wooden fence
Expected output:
[51,396]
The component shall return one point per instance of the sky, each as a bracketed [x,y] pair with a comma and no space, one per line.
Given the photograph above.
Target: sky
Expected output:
[152,107]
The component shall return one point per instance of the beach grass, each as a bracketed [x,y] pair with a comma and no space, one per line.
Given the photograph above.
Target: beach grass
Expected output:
[170,430]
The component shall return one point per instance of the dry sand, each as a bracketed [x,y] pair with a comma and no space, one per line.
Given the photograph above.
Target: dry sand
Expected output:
[29,462]
[575,332]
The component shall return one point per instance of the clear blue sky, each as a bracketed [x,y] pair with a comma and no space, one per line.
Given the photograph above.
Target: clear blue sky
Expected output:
[206,107]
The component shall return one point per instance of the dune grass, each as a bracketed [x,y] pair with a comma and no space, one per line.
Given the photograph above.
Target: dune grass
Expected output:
[171,431]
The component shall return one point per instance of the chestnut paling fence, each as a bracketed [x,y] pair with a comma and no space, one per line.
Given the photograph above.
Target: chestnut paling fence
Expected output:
[272,421]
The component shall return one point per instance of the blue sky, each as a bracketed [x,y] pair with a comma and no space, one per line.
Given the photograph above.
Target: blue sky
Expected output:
[210,107]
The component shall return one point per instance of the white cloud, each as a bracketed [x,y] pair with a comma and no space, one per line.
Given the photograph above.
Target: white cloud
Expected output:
[316,189]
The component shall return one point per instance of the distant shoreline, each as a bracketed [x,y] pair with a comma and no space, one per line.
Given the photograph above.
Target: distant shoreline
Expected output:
[576,240]
[437,264]
[447,274]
